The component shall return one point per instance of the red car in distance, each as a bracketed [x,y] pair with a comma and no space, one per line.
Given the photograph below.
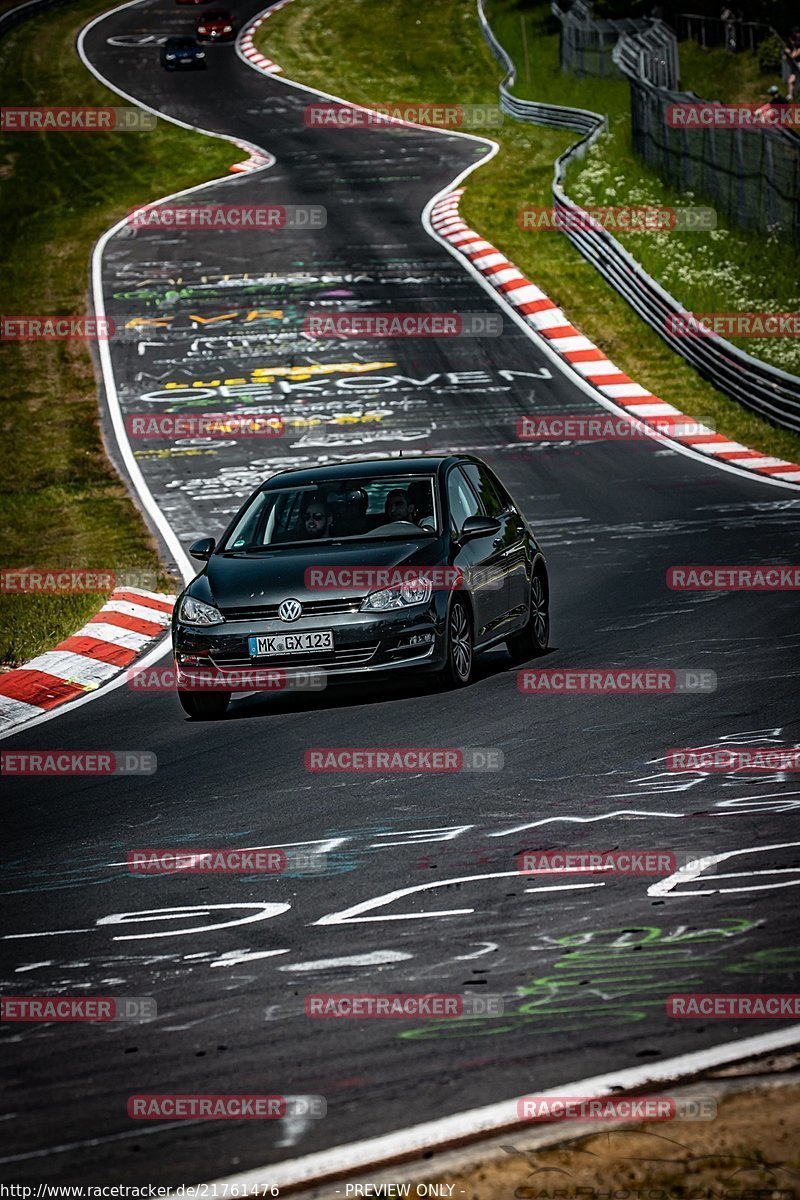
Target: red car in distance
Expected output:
[216,26]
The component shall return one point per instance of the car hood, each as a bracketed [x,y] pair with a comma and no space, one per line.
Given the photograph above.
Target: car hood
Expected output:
[269,577]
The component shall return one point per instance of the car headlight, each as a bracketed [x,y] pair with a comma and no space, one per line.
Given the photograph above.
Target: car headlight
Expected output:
[170,54]
[409,592]
[201,53]
[195,612]
[228,29]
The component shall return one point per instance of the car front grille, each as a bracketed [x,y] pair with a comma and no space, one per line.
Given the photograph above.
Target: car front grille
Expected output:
[311,608]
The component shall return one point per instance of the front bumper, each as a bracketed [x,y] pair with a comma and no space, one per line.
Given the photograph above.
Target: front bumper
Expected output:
[364,644]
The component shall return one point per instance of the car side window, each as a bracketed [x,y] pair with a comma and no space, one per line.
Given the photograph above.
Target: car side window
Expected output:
[462,500]
[491,499]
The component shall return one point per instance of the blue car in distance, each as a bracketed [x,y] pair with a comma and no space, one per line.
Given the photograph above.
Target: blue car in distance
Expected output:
[182,53]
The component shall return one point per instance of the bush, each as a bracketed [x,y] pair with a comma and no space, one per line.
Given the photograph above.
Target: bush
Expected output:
[770,55]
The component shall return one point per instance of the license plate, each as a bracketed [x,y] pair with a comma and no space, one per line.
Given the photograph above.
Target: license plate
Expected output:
[291,643]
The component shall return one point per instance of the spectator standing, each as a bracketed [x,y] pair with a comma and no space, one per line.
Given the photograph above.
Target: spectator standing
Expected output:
[791,54]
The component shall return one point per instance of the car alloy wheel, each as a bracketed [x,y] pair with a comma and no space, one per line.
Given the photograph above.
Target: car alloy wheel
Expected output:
[459,646]
[534,638]
[540,617]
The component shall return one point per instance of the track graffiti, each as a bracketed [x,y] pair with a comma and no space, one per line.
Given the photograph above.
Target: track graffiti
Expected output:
[613,977]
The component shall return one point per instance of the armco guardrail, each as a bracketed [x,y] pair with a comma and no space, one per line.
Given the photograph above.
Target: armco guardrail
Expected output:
[586,43]
[772,393]
[649,54]
[581,120]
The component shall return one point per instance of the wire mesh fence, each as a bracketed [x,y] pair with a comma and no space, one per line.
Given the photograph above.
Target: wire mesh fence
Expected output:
[751,172]
[756,385]
[733,33]
[586,43]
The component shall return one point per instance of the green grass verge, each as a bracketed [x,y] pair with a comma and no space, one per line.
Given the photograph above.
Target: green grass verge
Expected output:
[62,502]
[374,51]
[716,74]
[725,270]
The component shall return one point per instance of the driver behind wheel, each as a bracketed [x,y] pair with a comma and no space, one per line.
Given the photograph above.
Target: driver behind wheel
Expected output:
[317,518]
[397,506]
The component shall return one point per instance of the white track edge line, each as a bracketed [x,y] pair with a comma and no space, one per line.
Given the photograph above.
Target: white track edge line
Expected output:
[542,343]
[698,1060]
[137,479]
[369,1153]
[153,655]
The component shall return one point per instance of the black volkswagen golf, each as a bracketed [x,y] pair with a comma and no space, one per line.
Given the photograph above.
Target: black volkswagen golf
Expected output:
[362,569]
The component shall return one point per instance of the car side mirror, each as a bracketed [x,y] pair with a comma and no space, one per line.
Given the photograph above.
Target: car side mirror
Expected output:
[203,549]
[478,526]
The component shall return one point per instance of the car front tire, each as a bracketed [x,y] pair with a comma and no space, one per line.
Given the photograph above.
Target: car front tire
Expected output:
[208,706]
[457,671]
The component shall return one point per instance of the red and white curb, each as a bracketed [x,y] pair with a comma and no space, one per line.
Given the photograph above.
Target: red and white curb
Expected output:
[550,323]
[254,162]
[248,48]
[129,623]
[258,158]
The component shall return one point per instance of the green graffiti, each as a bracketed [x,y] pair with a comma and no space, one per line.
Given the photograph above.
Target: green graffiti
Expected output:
[613,977]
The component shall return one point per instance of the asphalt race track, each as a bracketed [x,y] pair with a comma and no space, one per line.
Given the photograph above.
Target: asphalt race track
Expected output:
[584,970]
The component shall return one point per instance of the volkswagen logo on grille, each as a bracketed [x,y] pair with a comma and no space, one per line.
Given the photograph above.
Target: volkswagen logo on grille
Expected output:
[290,610]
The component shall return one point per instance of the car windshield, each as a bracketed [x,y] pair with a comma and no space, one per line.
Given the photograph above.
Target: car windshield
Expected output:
[358,508]
[180,44]
[216,16]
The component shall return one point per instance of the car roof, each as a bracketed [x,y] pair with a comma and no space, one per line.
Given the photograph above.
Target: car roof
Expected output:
[426,464]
